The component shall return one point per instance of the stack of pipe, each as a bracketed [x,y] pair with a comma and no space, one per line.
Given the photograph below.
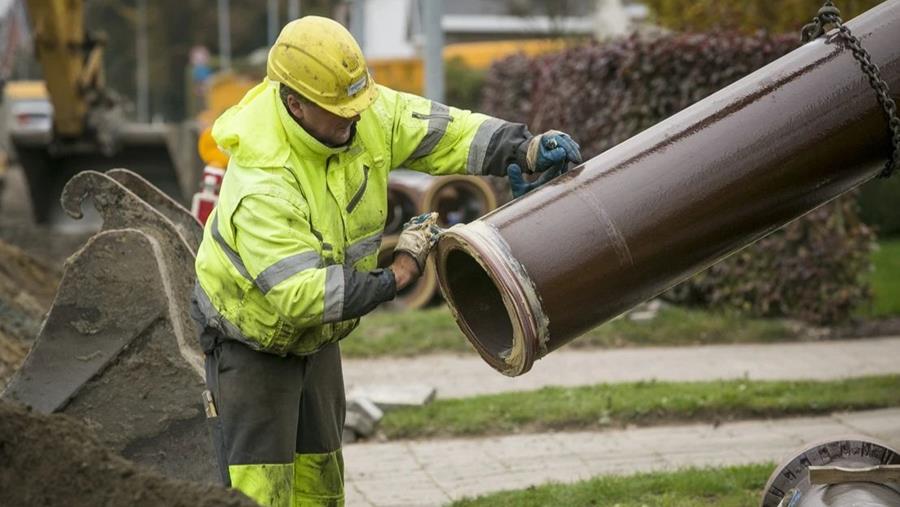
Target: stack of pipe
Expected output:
[456,199]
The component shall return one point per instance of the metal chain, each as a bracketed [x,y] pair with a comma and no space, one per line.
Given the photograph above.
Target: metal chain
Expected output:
[830,15]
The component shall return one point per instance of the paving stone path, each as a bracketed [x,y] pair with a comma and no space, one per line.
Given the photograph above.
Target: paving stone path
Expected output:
[463,375]
[436,472]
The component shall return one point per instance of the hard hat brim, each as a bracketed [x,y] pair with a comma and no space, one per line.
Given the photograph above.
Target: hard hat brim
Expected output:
[356,105]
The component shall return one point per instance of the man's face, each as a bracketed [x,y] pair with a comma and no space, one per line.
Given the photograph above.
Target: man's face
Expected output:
[328,128]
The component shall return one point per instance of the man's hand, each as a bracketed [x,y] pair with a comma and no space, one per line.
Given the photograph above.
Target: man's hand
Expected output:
[405,270]
[520,186]
[551,150]
[417,238]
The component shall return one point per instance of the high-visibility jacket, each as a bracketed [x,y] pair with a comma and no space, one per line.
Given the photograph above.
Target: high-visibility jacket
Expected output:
[288,258]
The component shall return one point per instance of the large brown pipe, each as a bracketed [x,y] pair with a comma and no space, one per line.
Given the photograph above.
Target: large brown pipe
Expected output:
[671,201]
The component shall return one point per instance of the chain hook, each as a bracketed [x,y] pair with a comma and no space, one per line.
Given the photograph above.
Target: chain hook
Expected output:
[828,14]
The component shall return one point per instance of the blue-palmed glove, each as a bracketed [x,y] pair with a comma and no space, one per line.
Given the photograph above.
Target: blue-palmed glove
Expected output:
[520,186]
[552,149]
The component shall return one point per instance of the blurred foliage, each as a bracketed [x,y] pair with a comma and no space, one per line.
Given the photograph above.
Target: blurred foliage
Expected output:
[174,27]
[885,280]
[783,16]
[463,84]
[604,94]
[878,201]
[813,269]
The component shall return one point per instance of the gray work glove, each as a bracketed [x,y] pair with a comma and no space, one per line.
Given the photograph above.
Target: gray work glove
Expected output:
[418,237]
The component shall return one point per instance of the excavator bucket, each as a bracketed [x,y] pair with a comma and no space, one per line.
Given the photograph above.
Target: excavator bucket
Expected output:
[118,346]
[158,152]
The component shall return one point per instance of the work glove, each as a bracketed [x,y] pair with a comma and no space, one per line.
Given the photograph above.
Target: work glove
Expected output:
[520,186]
[418,237]
[552,149]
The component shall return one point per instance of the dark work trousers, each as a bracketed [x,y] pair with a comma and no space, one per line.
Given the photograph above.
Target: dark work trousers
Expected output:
[280,421]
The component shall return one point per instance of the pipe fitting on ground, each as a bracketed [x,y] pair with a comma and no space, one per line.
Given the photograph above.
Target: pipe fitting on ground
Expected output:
[847,472]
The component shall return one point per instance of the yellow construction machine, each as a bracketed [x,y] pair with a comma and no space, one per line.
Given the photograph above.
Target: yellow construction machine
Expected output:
[89,129]
[118,346]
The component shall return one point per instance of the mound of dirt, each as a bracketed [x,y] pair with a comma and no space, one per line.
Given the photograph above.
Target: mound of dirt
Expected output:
[57,460]
[27,288]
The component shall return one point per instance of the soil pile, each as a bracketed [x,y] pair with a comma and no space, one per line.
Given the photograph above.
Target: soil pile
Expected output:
[57,460]
[27,288]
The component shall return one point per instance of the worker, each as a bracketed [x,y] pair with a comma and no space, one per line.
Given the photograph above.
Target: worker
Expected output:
[287,264]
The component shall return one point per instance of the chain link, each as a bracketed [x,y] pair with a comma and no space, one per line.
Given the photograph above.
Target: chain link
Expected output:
[830,15]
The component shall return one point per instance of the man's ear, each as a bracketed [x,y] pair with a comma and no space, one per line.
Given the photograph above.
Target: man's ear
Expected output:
[295,107]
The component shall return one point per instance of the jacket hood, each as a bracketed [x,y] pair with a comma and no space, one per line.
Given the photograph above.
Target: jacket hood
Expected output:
[259,132]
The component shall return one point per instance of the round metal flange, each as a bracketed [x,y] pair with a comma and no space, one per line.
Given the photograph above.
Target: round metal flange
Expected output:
[789,484]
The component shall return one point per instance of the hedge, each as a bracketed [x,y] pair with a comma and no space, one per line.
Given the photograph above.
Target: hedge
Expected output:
[603,94]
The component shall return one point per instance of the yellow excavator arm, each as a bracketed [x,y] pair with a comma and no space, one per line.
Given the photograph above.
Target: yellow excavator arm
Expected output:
[90,131]
[71,59]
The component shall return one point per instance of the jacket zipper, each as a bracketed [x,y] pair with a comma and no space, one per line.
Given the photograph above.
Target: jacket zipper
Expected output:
[334,199]
[359,193]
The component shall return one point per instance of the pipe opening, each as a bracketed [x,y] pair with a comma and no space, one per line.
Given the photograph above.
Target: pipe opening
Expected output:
[400,208]
[479,305]
[460,202]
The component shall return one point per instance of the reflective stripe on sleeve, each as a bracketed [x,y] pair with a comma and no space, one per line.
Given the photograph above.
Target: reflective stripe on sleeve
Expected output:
[362,249]
[479,146]
[438,120]
[286,268]
[334,293]
[229,252]
[216,320]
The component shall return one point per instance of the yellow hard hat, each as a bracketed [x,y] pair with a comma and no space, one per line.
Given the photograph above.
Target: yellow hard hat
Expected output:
[318,58]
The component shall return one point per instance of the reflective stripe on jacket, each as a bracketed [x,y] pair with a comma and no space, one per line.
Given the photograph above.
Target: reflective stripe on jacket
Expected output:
[287,262]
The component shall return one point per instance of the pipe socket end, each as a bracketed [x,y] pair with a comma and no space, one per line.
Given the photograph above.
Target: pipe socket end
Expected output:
[492,298]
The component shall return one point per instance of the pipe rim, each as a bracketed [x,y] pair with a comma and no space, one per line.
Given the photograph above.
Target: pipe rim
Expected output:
[484,244]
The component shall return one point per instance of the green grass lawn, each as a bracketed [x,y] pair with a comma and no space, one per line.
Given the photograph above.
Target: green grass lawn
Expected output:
[739,486]
[434,330]
[885,280]
[642,403]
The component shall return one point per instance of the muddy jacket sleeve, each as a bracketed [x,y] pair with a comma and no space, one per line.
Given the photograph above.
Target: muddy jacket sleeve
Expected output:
[430,137]
[284,257]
